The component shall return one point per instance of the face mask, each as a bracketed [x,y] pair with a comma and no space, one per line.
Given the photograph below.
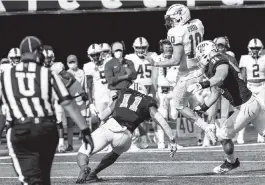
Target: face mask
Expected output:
[73,66]
[118,54]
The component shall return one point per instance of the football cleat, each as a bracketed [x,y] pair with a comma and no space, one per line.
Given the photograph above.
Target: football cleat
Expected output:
[226,167]
[83,174]
[92,177]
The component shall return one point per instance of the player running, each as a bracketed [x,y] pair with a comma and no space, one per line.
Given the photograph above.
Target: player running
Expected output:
[184,34]
[225,79]
[128,110]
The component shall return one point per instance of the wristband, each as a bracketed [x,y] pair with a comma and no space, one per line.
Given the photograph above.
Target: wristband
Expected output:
[204,107]
[205,84]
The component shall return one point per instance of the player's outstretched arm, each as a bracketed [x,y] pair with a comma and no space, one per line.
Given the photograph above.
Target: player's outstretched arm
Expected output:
[159,119]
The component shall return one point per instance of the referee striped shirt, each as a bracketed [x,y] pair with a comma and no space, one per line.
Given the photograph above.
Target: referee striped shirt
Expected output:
[29,89]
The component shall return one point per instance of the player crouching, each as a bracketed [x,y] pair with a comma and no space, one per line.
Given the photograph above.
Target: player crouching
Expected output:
[128,110]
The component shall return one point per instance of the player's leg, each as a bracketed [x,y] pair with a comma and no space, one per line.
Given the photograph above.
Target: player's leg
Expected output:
[59,117]
[120,141]
[181,97]
[25,159]
[70,134]
[100,138]
[236,122]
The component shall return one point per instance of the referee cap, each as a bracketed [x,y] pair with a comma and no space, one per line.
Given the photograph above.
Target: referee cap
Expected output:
[29,44]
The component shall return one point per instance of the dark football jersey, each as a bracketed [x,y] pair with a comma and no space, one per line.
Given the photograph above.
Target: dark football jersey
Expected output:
[132,108]
[233,88]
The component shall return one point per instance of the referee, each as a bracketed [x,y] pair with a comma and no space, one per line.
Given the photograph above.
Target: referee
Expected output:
[28,90]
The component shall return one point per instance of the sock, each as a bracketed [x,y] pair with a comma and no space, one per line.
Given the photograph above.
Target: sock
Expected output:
[107,160]
[82,160]
[201,123]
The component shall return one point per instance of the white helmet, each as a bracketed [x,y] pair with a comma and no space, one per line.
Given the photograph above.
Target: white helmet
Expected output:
[222,43]
[14,56]
[49,56]
[177,14]
[105,51]
[140,46]
[93,52]
[204,51]
[138,87]
[255,47]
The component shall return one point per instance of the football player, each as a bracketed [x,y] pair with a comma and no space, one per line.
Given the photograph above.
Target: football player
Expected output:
[224,79]
[164,89]
[79,74]
[14,56]
[105,52]
[253,71]
[97,85]
[184,34]
[146,75]
[130,108]
[49,59]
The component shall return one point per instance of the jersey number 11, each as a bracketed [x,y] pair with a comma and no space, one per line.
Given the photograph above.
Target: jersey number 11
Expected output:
[134,105]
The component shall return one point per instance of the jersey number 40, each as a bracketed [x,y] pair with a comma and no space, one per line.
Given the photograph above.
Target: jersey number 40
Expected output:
[134,105]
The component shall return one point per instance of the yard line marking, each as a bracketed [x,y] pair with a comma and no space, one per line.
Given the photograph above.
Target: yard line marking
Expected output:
[148,162]
[159,176]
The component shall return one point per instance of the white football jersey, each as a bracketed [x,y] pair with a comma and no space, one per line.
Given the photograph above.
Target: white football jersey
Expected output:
[143,68]
[164,73]
[79,75]
[5,66]
[255,68]
[101,90]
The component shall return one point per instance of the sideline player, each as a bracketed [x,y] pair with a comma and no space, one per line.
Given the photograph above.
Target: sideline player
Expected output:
[184,34]
[253,71]
[130,108]
[225,79]
[14,56]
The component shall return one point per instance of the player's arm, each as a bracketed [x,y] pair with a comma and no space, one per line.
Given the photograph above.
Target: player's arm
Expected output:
[70,78]
[243,68]
[89,85]
[107,112]
[159,119]
[243,72]
[131,67]
[155,73]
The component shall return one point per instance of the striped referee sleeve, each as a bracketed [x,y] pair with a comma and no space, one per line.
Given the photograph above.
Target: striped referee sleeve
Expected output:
[60,92]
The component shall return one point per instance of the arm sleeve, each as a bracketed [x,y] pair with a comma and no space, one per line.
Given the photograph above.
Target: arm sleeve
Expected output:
[151,102]
[59,91]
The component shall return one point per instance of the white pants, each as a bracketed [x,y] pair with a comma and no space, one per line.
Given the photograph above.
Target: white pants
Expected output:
[256,88]
[251,111]
[112,133]
[180,94]
[166,104]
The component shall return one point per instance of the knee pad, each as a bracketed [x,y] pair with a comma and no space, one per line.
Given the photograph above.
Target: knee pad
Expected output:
[228,146]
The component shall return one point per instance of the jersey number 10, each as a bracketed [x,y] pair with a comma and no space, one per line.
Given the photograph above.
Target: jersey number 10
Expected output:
[134,105]
[195,39]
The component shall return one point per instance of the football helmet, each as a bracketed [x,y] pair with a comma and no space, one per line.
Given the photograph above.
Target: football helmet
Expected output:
[140,46]
[255,47]
[49,56]
[14,56]
[94,52]
[204,51]
[177,14]
[105,51]
[222,44]
[166,48]
[138,87]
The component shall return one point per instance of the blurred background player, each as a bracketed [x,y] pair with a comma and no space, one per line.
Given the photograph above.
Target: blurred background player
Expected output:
[59,112]
[166,105]
[252,68]
[146,76]
[105,52]
[129,109]
[14,56]
[184,34]
[97,86]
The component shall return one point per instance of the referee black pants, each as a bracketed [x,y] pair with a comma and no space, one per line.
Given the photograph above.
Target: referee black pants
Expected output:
[32,148]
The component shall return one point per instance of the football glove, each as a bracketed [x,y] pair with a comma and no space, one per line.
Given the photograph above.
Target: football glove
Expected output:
[87,139]
[194,88]
[93,109]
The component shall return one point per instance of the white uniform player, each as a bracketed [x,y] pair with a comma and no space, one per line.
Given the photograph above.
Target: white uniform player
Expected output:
[253,70]
[14,56]
[184,34]
[95,70]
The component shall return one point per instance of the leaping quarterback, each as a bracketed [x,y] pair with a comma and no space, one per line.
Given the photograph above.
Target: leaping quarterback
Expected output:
[184,34]
[225,79]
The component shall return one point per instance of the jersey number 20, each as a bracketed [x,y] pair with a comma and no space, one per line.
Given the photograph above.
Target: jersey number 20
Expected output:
[134,105]
[195,39]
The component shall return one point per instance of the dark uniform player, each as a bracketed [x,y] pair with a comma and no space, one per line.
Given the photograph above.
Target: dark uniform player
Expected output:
[225,79]
[129,110]
[28,89]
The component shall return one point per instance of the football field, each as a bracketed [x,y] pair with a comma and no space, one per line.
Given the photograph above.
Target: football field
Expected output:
[190,166]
